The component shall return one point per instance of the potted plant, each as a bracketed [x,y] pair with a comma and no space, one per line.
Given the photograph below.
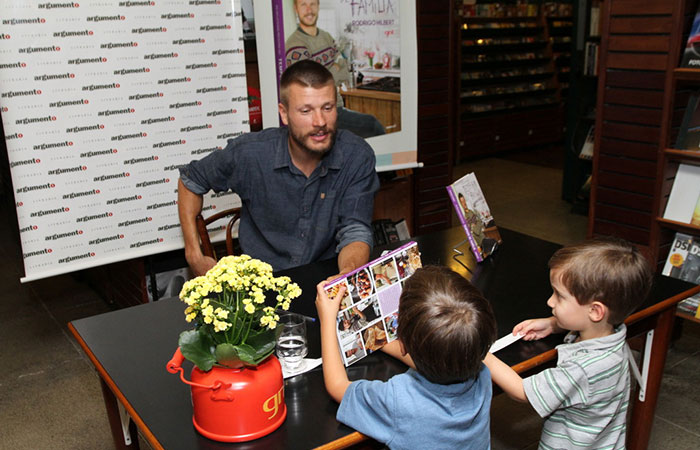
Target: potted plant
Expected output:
[232,346]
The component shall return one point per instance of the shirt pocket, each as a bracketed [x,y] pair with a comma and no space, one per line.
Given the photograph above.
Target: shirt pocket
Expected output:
[325,211]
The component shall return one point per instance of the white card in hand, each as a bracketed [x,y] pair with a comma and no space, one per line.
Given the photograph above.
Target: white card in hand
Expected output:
[505,341]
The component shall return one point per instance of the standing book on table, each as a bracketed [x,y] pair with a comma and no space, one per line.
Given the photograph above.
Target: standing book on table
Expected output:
[369,310]
[475,216]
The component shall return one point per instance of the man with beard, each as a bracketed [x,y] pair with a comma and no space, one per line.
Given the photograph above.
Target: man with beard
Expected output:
[308,41]
[307,189]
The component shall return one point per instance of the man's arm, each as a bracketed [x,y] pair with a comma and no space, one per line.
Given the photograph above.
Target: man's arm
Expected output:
[352,256]
[189,205]
[506,378]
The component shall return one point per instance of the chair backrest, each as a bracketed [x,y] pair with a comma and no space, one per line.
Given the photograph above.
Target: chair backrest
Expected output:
[207,247]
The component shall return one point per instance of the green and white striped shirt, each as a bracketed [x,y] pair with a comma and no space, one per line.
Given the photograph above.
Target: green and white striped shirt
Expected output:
[585,397]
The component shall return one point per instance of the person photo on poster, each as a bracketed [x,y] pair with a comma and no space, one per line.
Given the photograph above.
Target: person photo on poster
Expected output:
[347,55]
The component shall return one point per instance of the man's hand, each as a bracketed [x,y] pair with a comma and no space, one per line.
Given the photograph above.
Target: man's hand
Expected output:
[352,256]
[537,328]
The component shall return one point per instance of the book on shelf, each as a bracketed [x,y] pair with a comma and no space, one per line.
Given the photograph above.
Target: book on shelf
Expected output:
[683,262]
[369,310]
[590,59]
[683,202]
[689,132]
[594,23]
[475,216]
[588,144]
[691,54]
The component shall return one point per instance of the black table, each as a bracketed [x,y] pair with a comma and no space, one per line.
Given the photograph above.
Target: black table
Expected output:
[130,349]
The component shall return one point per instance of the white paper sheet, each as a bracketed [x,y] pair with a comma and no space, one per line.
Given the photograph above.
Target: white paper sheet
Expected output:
[505,341]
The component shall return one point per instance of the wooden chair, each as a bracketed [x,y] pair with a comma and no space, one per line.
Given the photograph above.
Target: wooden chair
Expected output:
[207,247]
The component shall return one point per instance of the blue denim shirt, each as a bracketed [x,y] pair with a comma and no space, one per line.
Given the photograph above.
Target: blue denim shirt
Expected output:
[288,219]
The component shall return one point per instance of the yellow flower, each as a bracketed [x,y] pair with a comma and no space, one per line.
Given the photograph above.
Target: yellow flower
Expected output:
[249,308]
[220,325]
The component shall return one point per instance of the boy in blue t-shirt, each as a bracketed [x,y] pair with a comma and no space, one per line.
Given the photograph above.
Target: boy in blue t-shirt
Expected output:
[584,399]
[445,329]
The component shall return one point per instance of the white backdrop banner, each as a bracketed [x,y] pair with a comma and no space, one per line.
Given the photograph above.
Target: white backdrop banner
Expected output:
[101,102]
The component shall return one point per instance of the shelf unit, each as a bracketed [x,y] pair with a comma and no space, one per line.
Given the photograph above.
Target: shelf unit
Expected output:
[560,24]
[642,95]
[509,91]
[580,104]
[682,81]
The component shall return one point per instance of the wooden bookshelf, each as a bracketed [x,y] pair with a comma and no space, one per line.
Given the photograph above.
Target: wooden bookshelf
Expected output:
[509,88]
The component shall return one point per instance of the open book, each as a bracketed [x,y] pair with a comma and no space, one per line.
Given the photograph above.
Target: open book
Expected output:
[475,216]
[369,311]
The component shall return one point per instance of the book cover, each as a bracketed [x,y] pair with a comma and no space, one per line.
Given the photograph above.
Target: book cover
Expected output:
[691,54]
[684,194]
[677,255]
[475,216]
[369,311]
[689,132]
[683,262]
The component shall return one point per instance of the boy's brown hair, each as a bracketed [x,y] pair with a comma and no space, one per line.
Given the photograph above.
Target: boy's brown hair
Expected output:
[306,73]
[445,324]
[609,270]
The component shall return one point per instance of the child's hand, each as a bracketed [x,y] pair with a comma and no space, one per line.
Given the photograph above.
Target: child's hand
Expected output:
[536,328]
[328,307]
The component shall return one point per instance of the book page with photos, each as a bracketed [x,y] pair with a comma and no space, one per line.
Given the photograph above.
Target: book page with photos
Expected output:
[369,311]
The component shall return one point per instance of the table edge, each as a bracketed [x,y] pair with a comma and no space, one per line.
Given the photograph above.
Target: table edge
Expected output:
[115,390]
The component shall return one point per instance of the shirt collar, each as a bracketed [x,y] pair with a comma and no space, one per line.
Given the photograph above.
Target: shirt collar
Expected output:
[333,159]
[609,342]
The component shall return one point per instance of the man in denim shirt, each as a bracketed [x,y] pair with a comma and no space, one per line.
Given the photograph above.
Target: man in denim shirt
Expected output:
[307,189]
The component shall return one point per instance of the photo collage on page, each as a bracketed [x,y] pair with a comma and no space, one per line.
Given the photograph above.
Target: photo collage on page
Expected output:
[368,316]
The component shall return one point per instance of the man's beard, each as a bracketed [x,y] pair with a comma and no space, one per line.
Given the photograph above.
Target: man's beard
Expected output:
[300,140]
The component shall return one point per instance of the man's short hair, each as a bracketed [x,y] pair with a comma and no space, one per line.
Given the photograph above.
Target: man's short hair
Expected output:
[609,270]
[306,73]
[445,324]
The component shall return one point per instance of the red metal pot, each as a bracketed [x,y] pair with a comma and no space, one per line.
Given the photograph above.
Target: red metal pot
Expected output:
[235,405]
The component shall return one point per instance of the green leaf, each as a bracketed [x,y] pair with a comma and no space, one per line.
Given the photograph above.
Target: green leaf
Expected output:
[227,355]
[247,354]
[198,348]
[263,343]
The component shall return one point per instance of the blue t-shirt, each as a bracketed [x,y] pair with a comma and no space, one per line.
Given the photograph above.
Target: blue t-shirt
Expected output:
[287,219]
[410,412]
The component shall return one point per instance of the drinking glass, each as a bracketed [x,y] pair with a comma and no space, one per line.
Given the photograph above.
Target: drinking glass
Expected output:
[291,343]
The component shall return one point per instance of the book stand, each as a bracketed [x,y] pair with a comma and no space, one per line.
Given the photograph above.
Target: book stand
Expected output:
[459,253]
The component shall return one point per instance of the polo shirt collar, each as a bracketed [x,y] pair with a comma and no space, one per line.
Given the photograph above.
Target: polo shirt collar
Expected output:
[618,336]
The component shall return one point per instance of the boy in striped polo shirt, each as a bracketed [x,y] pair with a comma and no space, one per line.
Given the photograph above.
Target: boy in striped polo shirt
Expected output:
[584,399]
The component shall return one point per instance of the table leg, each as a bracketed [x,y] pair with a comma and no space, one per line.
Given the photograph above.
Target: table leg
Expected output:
[642,417]
[115,421]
